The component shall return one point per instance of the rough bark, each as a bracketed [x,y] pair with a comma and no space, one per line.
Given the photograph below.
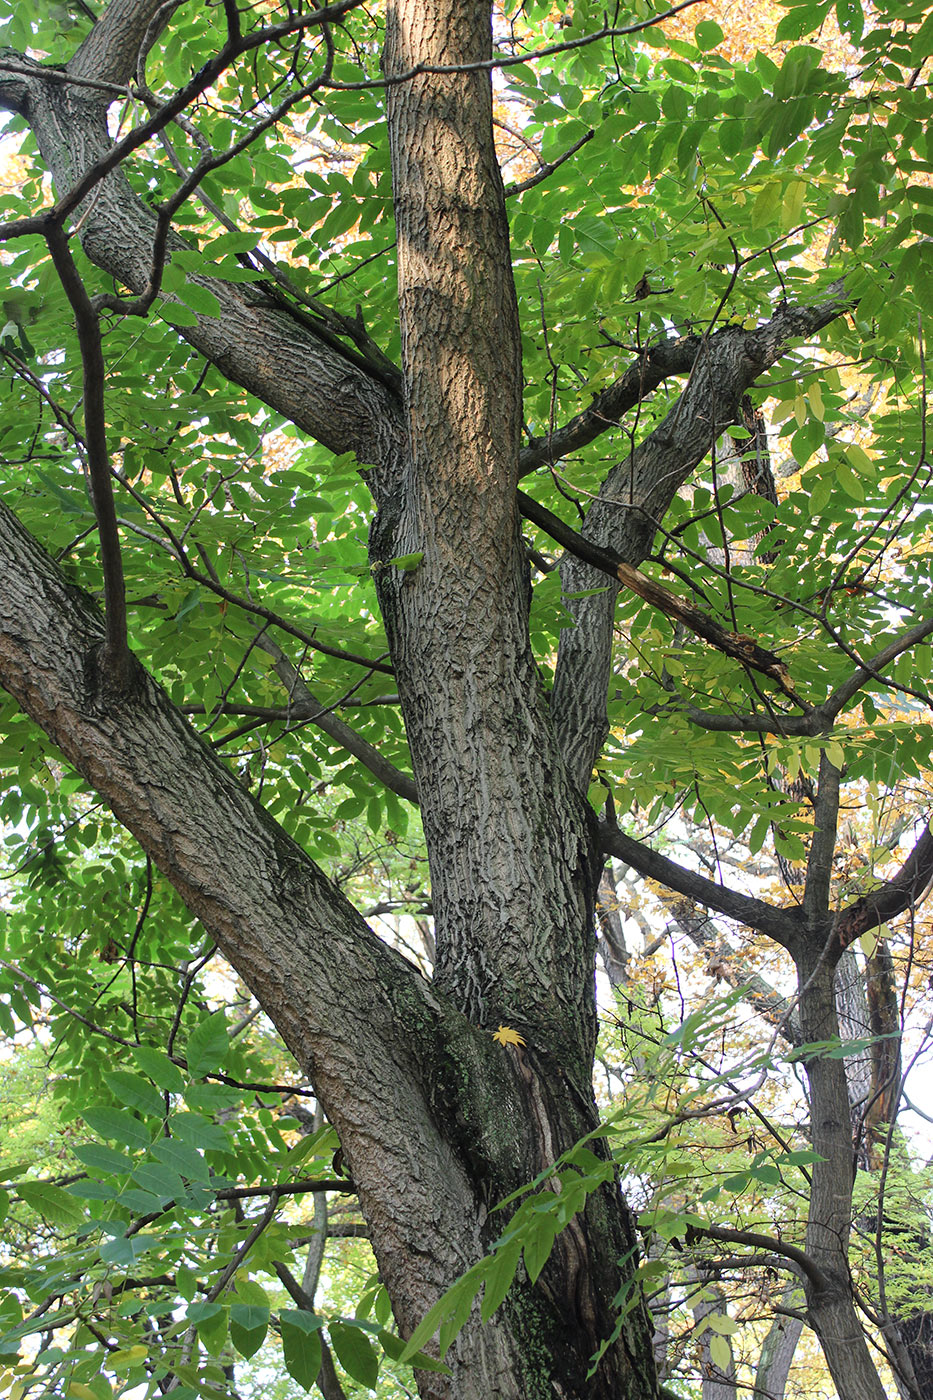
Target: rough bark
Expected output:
[437,1122]
[475,712]
[252,340]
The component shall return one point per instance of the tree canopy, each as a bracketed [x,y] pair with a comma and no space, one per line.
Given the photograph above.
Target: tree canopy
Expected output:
[457,459]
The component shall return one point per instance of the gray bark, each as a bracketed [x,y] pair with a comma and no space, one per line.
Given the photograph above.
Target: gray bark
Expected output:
[777,1352]
[830,1306]
[718,1382]
[436,1122]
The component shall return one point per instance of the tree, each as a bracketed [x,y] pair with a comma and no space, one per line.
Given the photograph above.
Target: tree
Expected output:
[438,1120]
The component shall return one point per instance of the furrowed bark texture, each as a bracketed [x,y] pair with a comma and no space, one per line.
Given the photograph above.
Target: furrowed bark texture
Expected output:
[252,340]
[438,1123]
[310,959]
[513,866]
[512,885]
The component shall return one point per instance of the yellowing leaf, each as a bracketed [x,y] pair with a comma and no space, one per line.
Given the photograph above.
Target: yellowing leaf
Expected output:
[859,458]
[720,1352]
[794,196]
[868,942]
[506,1036]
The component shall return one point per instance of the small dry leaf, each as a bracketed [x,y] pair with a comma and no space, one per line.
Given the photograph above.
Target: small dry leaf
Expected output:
[506,1036]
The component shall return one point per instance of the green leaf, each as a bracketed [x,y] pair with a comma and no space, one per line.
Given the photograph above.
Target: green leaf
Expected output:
[460,1293]
[199,1131]
[407,562]
[157,1066]
[135,1092]
[183,1158]
[394,1347]
[160,1180]
[355,1352]
[212,1330]
[499,1277]
[53,1203]
[248,1328]
[538,1247]
[301,1346]
[200,299]
[99,1158]
[708,35]
[208,1045]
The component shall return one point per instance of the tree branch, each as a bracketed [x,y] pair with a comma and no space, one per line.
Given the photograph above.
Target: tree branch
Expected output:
[309,707]
[176,549]
[872,669]
[342,1000]
[779,924]
[908,888]
[609,407]
[260,346]
[756,1241]
[115,657]
[730,964]
[742,648]
[635,497]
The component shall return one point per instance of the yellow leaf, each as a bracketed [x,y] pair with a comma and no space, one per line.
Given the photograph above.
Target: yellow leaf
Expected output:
[859,458]
[506,1036]
[794,195]
[720,1352]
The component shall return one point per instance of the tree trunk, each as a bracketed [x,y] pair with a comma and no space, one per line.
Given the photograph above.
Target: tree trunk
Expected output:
[718,1382]
[437,1122]
[777,1352]
[830,1304]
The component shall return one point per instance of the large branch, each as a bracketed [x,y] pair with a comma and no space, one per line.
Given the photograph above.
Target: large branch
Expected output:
[308,706]
[779,924]
[908,888]
[634,499]
[608,408]
[278,357]
[343,1001]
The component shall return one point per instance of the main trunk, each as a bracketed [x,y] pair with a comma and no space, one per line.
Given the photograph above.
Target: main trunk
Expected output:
[513,867]
[438,1123]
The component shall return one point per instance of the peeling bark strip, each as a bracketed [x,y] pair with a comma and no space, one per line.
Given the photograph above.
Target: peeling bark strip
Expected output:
[742,648]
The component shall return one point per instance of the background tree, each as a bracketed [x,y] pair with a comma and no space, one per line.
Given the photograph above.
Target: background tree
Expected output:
[220,541]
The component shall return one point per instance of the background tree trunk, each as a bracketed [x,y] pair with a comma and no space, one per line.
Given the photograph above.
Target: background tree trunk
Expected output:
[777,1352]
